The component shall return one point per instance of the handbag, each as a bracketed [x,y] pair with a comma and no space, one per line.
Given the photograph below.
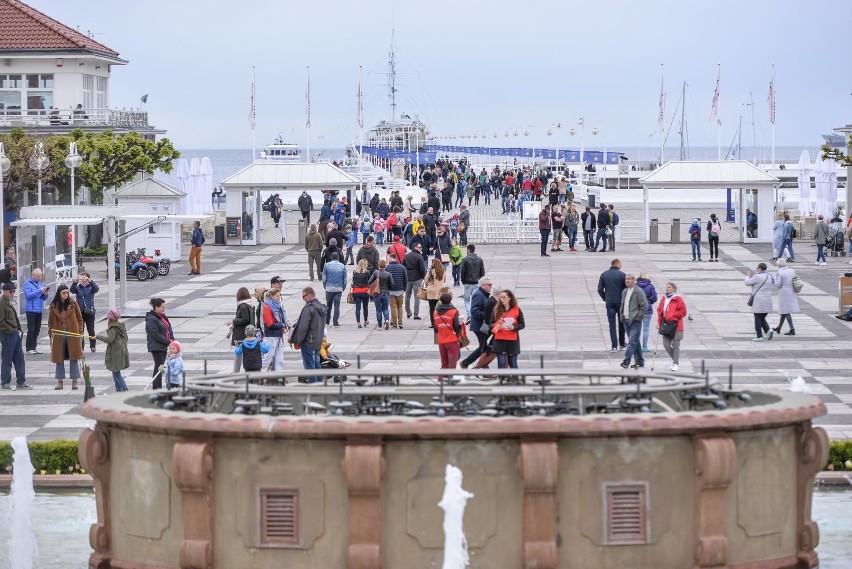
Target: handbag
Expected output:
[460,227]
[464,341]
[375,288]
[798,285]
[668,329]
[350,298]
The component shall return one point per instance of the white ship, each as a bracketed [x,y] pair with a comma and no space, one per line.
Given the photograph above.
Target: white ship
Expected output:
[282,151]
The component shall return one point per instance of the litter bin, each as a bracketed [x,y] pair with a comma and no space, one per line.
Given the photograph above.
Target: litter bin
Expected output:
[219,235]
[676,230]
[845,292]
[593,200]
[655,231]
[302,230]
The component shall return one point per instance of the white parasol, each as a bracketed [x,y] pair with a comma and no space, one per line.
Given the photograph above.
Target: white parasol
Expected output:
[804,183]
[182,175]
[831,190]
[195,187]
[207,186]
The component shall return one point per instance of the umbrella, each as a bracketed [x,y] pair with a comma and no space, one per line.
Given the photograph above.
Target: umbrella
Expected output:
[182,175]
[195,185]
[207,177]
[831,182]
[804,183]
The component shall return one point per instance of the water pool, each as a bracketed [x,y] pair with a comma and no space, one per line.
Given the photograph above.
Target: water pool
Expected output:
[62,520]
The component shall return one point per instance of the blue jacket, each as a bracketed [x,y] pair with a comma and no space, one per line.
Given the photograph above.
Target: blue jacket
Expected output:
[174,370]
[610,285]
[85,294]
[197,237]
[325,212]
[35,298]
[478,303]
[250,344]
[650,293]
[334,276]
[352,238]
[399,274]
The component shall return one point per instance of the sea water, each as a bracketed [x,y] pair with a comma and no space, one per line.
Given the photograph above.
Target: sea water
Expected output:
[62,519]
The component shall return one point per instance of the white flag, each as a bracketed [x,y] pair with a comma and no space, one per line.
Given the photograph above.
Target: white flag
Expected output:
[252,112]
[661,114]
[714,109]
[771,98]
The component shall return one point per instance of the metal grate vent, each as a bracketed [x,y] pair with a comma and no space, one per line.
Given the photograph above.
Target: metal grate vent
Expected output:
[626,514]
[279,517]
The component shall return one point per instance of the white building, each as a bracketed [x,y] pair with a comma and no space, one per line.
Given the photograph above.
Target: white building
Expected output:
[54,79]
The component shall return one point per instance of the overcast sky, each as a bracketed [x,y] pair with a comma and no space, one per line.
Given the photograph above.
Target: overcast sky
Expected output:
[475,66]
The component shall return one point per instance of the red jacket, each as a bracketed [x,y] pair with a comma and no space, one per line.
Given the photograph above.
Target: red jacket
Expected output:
[512,333]
[675,311]
[446,324]
[397,249]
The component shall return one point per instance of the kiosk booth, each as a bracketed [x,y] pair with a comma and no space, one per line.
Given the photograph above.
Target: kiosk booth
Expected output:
[752,189]
[152,198]
[246,191]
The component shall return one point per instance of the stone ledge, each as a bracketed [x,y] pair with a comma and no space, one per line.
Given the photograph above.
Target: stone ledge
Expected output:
[53,481]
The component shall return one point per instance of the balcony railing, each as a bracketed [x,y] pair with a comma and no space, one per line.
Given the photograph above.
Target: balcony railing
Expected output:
[74,118]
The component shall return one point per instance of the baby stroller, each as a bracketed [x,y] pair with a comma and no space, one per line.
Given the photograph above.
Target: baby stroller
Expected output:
[330,361]
[835,243]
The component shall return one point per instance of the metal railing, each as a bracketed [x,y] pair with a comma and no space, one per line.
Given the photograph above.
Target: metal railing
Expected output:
[506,392]
[132,118]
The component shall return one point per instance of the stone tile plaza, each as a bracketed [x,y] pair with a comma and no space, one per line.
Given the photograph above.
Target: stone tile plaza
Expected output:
[566,325]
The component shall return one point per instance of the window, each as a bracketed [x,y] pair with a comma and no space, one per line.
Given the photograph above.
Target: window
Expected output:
[38,100]
[11,82]
[101,92]
[279,517]
[10,100]
[88,85]
[626,513]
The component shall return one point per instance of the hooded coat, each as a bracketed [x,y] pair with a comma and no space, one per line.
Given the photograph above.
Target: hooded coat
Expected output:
[117,355]
[761,287]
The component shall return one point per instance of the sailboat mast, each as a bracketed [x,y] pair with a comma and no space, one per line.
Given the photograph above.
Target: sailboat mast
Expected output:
[683,122]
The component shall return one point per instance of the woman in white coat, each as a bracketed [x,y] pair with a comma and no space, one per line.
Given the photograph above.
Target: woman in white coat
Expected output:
[777,236]
[788,300]
[761,290]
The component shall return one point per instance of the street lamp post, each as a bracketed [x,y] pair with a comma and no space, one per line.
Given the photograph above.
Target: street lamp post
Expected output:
[582,124]
[550,132]
[38,162]
[5,163]
[73,161]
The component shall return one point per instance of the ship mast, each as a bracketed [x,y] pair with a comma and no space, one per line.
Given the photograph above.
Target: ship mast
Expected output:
[392,80]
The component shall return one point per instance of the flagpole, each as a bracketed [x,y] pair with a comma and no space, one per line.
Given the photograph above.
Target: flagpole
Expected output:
[308,113]
[360,137]
[772,113]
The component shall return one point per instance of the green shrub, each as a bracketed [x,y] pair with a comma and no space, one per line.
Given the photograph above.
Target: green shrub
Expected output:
[98,251]
[839,454]
[48,457]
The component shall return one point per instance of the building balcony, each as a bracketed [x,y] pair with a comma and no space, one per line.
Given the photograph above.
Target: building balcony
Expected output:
[62,121]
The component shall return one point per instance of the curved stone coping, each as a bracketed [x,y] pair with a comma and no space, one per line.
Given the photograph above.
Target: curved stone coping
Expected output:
[64,481]
[768,410]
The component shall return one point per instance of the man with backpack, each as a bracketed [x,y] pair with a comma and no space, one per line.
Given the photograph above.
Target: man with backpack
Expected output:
[695,238]
[713,232]
[613,222]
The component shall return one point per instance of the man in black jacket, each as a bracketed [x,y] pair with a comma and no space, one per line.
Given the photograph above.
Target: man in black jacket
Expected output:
[603,224]
[326,255]
[308,332]
[610,285]
[430,222]
[306,206]
[424,241]
[478,317]
[415,270]
[472,269]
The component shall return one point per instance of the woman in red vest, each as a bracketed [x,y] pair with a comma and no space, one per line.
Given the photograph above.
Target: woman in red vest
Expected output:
[449,331]
[508,320]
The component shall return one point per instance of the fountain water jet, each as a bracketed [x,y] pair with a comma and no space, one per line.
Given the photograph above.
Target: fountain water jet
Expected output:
[22,544]
[453,503]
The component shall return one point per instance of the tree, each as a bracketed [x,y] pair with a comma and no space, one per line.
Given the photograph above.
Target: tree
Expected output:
[837,154]
[109,161]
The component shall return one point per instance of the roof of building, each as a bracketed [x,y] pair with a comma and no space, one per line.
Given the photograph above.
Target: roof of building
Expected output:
[23,28]
[148,188]
[281,174]
[708,174]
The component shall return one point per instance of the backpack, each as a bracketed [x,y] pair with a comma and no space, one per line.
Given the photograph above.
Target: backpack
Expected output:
[614,218]
[793,233]
[696,234]
[715,230]
[392,221]
[798,285]
[366,227]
